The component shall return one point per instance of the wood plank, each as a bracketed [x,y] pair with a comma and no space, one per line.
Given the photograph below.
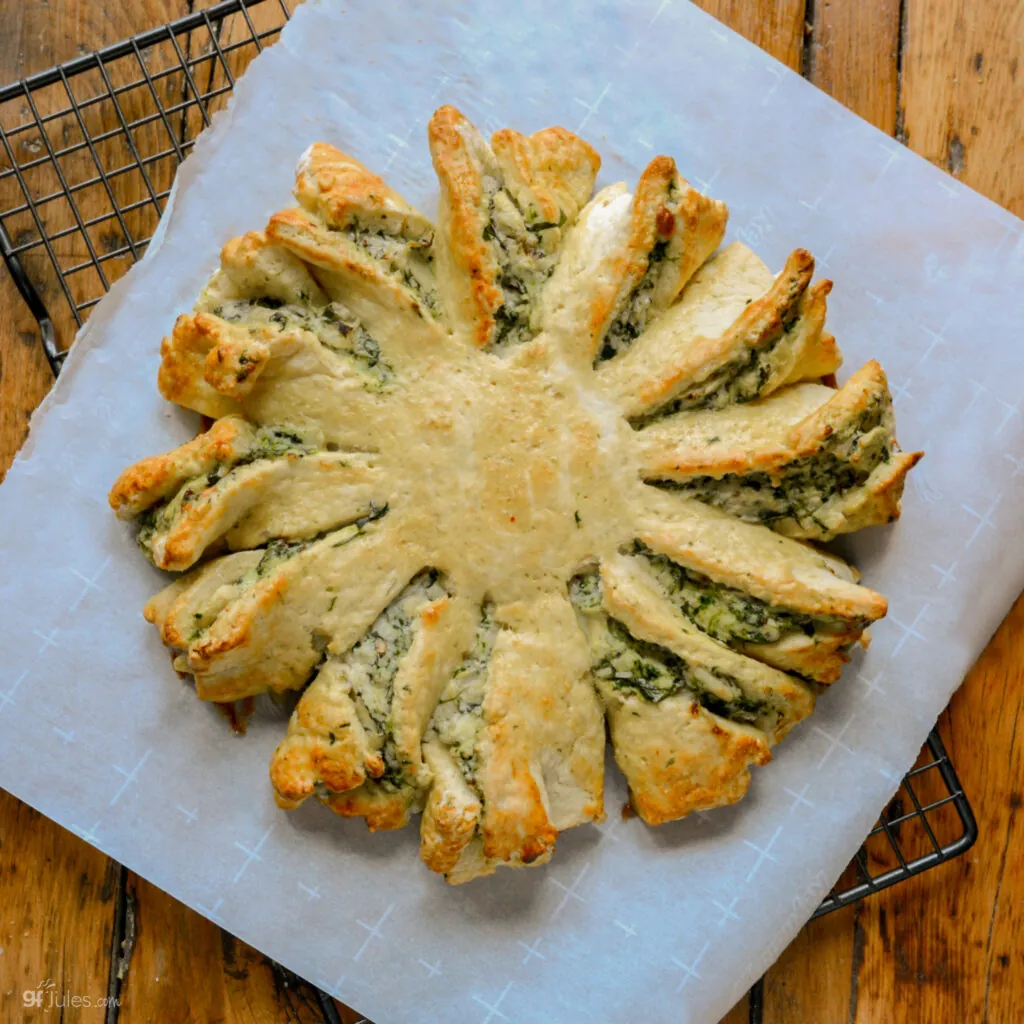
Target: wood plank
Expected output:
[962,123]
[777,26]
[185,968]
[811,980]
[24,374]
[57,894]
[963,71]
[182,967]
[853,56]
[946,945]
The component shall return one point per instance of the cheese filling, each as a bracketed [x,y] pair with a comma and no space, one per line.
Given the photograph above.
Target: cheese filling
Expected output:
[335,326]
[730,615]
[373,664]
[741,379]
[275,554]
[459,716]
[623,664]
[799,489]
[408,260]
[525,262]
[274,442]
[631,318]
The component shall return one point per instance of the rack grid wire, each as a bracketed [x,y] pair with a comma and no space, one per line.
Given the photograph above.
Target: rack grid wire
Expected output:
[88,154]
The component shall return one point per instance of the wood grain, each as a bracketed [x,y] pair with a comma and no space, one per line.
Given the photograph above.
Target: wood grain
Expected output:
[777,26]
[963,72]
[185,968]
[946,945]
[854,55]
[57,895]
[946,78]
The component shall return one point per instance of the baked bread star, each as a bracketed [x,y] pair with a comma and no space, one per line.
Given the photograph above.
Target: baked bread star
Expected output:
[483,494]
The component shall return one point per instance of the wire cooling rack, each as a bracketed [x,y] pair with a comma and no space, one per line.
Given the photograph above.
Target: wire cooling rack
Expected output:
[88,153]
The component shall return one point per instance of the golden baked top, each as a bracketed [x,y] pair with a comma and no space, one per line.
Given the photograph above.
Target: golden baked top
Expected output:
[475,490]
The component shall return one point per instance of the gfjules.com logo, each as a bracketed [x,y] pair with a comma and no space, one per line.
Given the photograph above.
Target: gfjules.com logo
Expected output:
[47,996]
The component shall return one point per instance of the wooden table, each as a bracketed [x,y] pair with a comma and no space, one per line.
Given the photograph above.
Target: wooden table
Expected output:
[946,77]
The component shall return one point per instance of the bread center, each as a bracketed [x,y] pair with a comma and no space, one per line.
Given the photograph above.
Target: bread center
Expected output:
[515,470]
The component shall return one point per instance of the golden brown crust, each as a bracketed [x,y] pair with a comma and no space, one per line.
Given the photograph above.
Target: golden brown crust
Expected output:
[542,742]
[335,744]
[235,363]
[551,171]
[381,810]
[820,658]
[632,598]
[255,267]
[762,438]
[668,211]
[326,743]
[158,476]
[469,264]
[675,365]
[776,569]
[182,374]
[503,215]
[192,603]
[679,758]
[344,193]
[451,815]
[262,639]
[343,261]
[291,498]
[614,250]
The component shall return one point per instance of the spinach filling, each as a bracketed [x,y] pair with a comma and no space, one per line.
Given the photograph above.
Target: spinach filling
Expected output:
[621,662]
[800,489]
[275,554]
[459,716]
[276,442]
[741,379]
[730,615]
[374,663]
[630,320]
[336,327]
[524,259]
[409,260]
[272,442]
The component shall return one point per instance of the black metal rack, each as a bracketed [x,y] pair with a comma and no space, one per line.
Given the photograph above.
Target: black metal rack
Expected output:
[88,152]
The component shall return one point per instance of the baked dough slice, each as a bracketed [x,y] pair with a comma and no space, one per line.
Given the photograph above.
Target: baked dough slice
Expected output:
[516,743]
[366,246]
[813,462]
[504,212]
[770,597]
[687,716]
[736,334]
[628,260]
[725,681]
[354,739]
[273,624]
[183,610]
[262,326]
[269,484]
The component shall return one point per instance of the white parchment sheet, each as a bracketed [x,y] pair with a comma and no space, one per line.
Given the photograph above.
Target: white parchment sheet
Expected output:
[626,923]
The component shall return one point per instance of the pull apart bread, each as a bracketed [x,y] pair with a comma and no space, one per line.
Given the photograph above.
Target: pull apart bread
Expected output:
[477,492]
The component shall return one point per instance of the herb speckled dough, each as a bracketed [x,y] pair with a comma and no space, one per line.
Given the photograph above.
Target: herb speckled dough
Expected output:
[480,494]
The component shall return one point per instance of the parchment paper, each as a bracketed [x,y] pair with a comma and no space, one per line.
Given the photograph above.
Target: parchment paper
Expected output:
[626,923]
